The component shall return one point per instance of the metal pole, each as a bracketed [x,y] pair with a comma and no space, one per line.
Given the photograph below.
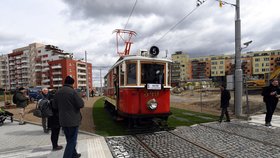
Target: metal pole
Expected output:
[247,99]
[87,91]
[100,89]
[238,71]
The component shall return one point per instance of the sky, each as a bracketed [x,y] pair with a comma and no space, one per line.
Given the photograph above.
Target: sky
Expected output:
[87,25]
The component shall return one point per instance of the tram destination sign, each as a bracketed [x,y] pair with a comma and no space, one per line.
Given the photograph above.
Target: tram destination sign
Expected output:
[151,86]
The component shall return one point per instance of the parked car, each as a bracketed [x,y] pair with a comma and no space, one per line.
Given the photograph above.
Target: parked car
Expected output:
[81,92]
[35,93]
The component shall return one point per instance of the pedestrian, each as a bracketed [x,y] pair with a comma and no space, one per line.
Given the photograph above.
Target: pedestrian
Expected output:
[69,103]
[225,97]
[270,97]
[92,93]
[21,102]
[53,124]
[45,96]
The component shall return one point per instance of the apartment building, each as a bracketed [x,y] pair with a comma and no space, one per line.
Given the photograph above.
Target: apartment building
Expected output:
[22,66]
[4,73]
[217,66]
[175,73]
[200,64]
[29,67]
[59,69]
[184,61]
[254,64]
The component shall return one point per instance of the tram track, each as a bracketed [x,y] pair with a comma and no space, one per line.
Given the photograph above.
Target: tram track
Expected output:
[200,146]
[204,140]
[243,136]
[152,152]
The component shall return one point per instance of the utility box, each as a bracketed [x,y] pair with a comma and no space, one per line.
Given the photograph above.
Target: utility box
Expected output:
[230,82]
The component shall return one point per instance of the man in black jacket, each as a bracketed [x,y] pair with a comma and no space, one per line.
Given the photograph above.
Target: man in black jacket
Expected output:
[225,97]
[21,103]
[69,103]
[270,97]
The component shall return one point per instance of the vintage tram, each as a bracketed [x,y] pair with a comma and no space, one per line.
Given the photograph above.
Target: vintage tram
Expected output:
[138,86]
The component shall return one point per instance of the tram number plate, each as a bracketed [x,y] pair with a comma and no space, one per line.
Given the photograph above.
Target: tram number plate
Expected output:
[153,86]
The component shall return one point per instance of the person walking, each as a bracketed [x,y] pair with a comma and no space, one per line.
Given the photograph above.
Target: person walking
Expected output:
[225,97]
[45,96]
[53,124]
[68,103]
[21,102]
[270,97]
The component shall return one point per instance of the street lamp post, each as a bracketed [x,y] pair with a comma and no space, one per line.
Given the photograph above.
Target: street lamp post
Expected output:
[238,71]
[87,88]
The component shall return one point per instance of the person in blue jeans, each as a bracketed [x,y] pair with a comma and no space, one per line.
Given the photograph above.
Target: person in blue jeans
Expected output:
[68,103]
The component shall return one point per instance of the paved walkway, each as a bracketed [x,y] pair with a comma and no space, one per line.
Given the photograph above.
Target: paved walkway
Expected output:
[26,141]
[259,119]
[29,141]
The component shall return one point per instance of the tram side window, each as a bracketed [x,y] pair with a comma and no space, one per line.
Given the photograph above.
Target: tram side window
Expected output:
[131,73]
[152,73]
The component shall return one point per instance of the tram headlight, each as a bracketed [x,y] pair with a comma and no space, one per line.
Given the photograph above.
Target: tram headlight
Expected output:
[152,104]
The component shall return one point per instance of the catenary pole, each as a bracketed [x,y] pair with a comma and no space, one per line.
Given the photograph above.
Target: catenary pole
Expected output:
[87,87]
[238,71]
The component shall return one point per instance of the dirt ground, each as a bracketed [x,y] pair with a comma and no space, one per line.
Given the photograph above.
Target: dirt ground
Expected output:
[209,102]
[206,102]
[87,121]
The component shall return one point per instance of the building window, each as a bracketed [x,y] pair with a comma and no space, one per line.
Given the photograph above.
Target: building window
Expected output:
[257,59]
[221,62]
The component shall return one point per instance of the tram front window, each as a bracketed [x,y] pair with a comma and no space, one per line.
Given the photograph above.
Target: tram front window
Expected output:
[152,73]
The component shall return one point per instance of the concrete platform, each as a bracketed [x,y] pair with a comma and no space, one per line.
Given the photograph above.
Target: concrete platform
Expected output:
[29,140]
[260,119]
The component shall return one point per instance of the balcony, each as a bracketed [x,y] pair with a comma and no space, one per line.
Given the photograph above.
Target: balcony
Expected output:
[45,69]
[82,85]
[25,76]
[57,79]
[45,80]
[24,61]
[82,79]
[38,64]
[81,73]
[81,68]
[24,66]
[38,70]
[57,85]
[56,73]
[56,67]
[11,64]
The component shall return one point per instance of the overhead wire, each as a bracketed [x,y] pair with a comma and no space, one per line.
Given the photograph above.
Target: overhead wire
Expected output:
[130,14]
[179,22]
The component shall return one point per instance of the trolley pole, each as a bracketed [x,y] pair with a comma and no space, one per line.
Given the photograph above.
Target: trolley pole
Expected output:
[238,71]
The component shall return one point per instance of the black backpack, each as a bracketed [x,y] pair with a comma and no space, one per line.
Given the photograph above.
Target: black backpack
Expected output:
[45,107]
[15,98]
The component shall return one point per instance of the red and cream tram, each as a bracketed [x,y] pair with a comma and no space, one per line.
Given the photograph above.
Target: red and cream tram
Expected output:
[139,86]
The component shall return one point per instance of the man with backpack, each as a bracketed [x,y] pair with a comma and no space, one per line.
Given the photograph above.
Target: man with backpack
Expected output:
[21,100]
